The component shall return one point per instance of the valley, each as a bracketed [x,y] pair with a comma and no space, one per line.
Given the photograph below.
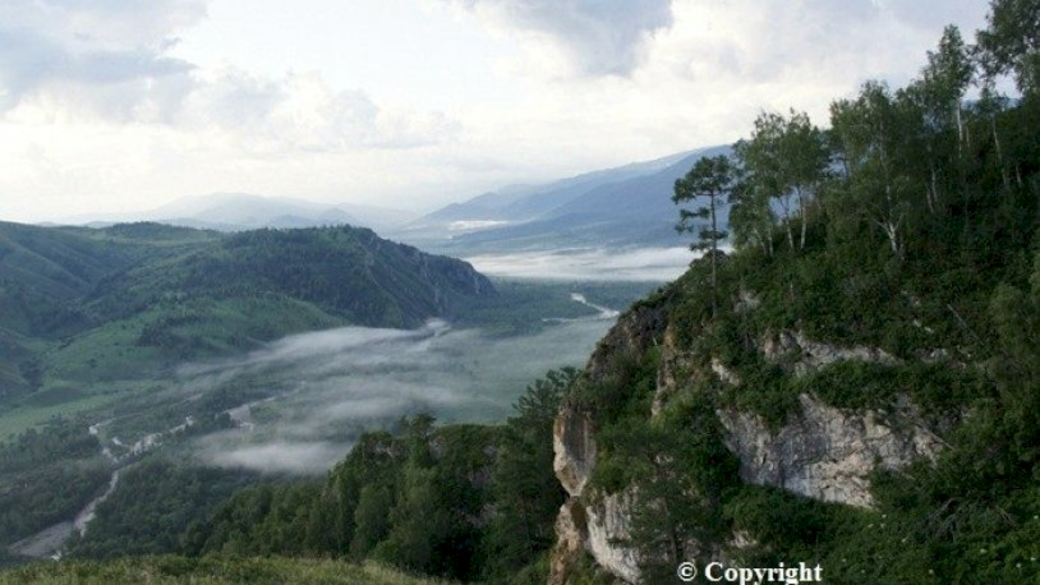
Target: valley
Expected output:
[156,361]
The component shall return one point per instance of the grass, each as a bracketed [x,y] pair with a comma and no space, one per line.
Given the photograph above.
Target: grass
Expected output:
[208,571]
[24,417]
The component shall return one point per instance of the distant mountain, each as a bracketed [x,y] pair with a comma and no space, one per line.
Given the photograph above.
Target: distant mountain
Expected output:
[620,207]
[241,211]
[96,304]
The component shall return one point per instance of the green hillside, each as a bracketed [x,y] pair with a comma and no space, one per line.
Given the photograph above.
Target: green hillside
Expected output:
[45,272]
[80,307]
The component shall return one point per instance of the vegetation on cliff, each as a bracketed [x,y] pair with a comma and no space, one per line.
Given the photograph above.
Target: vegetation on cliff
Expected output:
[911,259]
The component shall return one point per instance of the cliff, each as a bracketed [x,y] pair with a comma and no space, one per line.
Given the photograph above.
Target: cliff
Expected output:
[817,447]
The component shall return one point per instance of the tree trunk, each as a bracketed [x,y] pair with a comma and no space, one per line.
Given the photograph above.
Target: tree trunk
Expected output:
[891,230]
[933,192]
[1000,152]
[802,210]
[714,259]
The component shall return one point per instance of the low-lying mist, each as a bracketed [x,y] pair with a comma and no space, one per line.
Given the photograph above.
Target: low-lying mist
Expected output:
[640,264]
[324,388]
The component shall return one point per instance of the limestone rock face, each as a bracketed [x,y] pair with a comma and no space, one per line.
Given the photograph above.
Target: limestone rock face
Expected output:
[598,528]
[609,522]
[574,449]
[804,355]
[571,535]
[823,452]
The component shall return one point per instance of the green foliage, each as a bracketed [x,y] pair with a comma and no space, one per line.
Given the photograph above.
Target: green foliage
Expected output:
[782,165]
[1011,42]
[711,179]
[625,389]
[155,503]
[678,472]
[46,476]
[924,245]
[209,570]
[90,307]
[465,502]
[526,493]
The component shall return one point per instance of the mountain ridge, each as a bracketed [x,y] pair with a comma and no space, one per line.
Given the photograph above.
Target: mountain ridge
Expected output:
[621,207]
[153,294]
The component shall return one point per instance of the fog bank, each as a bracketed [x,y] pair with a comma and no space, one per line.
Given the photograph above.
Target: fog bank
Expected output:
[328,386]
[640,264]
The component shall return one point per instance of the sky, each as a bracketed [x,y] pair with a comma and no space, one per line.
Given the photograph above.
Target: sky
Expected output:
[115,106]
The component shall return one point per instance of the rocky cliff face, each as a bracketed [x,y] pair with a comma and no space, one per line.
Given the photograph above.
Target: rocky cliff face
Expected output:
[598,526]
[821,452]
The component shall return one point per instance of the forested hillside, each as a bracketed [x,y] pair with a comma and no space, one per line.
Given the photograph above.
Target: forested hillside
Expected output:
[856,387]
[78,306]
[465,502]
[211,571]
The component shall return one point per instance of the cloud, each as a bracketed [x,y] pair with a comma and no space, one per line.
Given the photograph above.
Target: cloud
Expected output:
[110,61]
[645,264]
[331,105]
[282,457]
[110,55]
[600,37]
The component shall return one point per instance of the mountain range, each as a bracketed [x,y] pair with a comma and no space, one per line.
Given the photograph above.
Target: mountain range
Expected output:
[613,208]
[229,212]
[626,206]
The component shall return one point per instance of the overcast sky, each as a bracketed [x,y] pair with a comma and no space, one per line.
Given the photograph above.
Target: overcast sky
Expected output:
[123,105]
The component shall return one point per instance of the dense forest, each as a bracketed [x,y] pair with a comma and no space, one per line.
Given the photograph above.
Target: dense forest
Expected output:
[486,497]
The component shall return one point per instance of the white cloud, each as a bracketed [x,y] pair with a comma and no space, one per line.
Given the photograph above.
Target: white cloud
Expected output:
[328,386]
[302,112]
[282,457]
[598,37]
[109,56]
[109,61]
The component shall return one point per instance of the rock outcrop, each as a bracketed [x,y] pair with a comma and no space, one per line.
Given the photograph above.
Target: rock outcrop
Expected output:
[608,525]
[823,452]
[597,526]
[636,332]
[802,355]
[575,450]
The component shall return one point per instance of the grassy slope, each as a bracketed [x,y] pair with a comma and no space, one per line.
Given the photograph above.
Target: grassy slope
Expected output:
[208,571]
